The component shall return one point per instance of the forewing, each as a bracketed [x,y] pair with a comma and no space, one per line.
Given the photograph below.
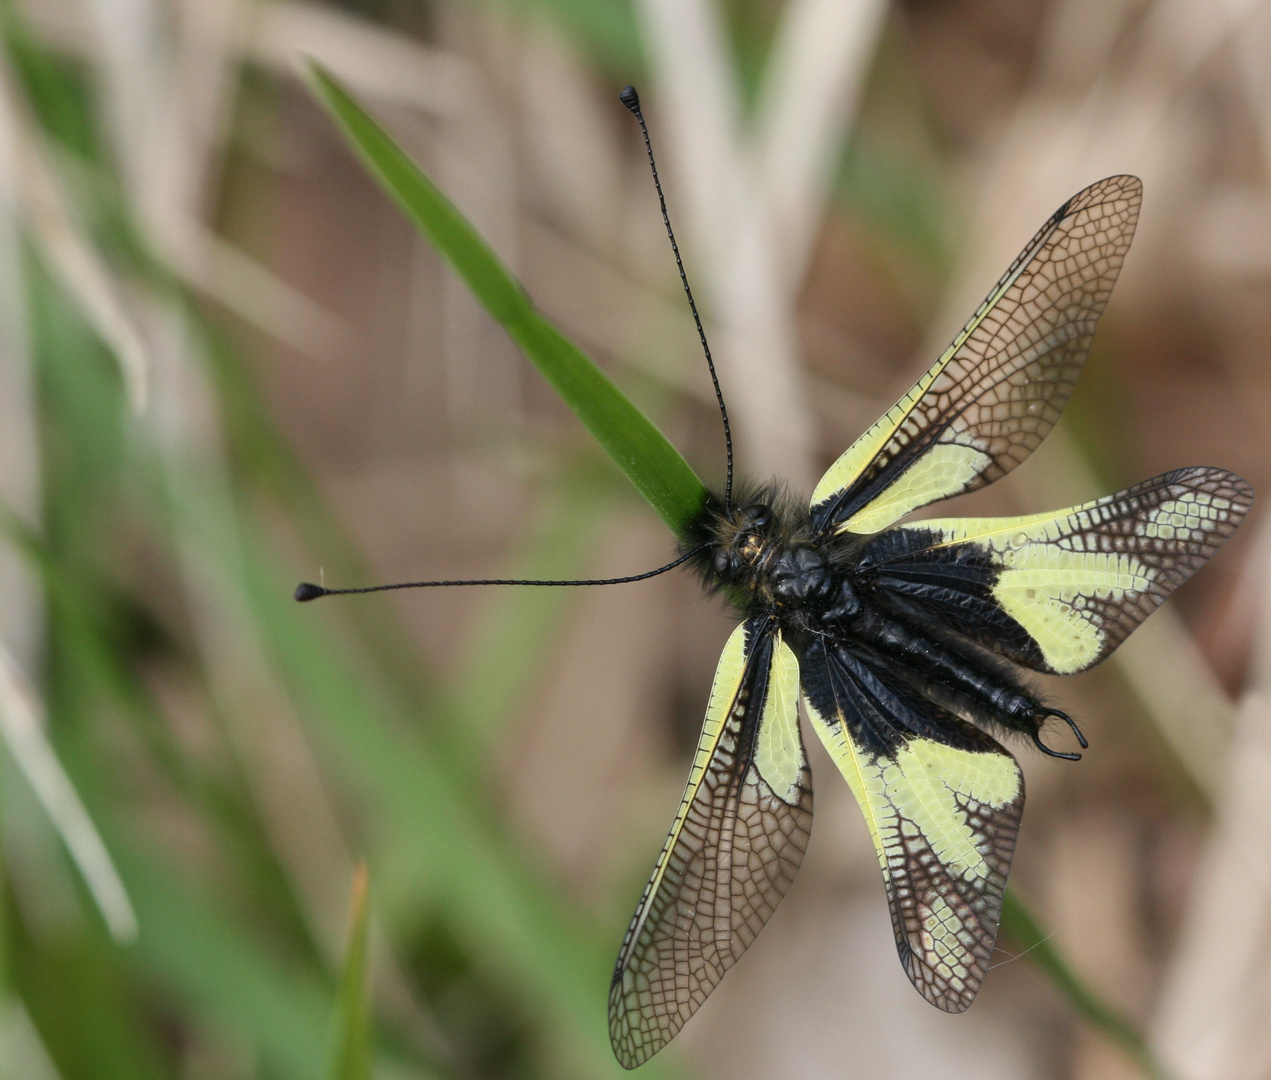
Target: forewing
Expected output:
[1000,386]
[733,850]
[942,801]
[1058,592]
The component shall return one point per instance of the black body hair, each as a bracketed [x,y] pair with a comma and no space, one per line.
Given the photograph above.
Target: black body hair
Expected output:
[717,526]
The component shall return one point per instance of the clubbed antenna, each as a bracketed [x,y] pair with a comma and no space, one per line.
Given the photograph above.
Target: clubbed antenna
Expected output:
[307,591]
[632,101]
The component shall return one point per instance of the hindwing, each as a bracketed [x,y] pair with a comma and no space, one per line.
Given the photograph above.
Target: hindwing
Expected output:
[1057,592]
[1000,386]
[732,852]
[942,801]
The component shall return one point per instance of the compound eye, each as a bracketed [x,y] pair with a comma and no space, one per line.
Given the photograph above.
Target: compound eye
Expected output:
[756,517]
[723,564]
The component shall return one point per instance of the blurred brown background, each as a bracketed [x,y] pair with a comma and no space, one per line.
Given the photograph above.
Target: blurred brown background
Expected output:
[278,377]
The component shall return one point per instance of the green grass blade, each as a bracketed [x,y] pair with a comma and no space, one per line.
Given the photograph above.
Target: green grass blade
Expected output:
[351,1057]
[638,448]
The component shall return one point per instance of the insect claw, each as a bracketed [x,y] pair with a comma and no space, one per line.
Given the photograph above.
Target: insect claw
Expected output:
[1054,753]
[1072,724]
[1044,712]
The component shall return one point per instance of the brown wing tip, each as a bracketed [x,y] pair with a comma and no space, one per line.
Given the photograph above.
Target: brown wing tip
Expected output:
[1122,186]
[631,1047]
[633,1039]
[1215,481]
[938,990]
[1239,490]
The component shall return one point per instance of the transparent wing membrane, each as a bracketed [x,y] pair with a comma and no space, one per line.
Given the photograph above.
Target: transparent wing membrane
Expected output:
[732,852]
[998,389]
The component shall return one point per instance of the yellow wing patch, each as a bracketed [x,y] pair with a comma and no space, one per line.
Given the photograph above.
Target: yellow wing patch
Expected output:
[1063,576]
[732,852]
[940,471]
[923,791]
[928,786]
[1044,591]
[996,391]
[779,746]
[943,818]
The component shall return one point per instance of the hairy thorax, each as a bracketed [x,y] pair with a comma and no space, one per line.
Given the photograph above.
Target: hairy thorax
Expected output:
[768,560]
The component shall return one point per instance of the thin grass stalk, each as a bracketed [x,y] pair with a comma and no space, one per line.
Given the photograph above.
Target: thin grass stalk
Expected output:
[67,251]
[747,305]
[351,1023]
[1210,1016]
[23,731]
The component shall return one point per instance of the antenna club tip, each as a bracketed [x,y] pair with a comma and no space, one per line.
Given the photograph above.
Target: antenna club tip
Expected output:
[307,591]
[630,99]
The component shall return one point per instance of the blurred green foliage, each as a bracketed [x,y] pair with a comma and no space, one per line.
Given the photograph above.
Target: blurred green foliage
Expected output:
[227,970]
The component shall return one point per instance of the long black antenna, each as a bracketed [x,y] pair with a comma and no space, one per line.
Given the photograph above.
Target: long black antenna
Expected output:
[306,590]
[632,101]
